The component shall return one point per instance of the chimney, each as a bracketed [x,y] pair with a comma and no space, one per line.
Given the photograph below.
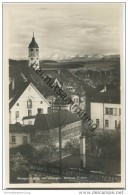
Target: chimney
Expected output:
[83,151]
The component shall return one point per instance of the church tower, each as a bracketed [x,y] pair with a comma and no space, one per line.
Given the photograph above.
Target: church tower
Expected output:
[33,52]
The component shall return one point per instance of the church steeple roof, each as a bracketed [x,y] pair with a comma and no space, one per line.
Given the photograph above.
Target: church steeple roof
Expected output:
[33,43]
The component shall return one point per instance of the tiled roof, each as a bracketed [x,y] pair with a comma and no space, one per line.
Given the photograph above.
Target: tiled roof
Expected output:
[61,101]
[18,93]
[28,117]
[51,121]
[19,128]
[110,96]
[33,78]
[22,88]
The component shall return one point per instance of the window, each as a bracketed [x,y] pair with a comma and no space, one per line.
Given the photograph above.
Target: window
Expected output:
[97,122]
[29,103]
[29,112]
[13,139]
[76,100]
[49,110]
[115,123]
[31,49]
[40,111]
[31,58]
[17,104]
[36,49]
[41,102]
[106,111]
[37,58]
[106,123]
[17,114]
[119,111]
[29,122]
[111,111]
[115,111]
[25,139]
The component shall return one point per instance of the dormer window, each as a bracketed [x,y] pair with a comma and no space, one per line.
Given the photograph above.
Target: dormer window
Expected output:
[29,103]
[76,100]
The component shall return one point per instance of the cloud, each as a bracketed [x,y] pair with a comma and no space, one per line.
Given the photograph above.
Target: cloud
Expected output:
[75,28]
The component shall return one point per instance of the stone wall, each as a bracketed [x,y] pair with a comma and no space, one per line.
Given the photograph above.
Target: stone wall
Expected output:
[50,137]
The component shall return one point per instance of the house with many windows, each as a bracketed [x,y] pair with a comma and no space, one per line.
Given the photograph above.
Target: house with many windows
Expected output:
[26,103]
[106,112]
[19,135]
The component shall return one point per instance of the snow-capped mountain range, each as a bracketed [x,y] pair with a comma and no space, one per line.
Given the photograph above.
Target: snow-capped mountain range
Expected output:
[65,56]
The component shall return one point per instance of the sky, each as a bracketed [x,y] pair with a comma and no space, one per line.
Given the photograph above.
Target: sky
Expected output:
[64,29]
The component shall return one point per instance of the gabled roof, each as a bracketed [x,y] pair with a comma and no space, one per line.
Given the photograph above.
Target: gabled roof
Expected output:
[56,76]
[33,78]
[51,121]
[20,91]
[40,84]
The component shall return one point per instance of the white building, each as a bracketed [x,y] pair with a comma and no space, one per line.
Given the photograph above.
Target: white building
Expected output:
[28,101]
[106,115]
[19,135]
[70,87]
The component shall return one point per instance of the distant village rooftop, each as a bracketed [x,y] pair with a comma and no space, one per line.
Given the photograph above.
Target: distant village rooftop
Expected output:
[110,96]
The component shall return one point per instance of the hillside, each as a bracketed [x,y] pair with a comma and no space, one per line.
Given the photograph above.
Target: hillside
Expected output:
[105,62]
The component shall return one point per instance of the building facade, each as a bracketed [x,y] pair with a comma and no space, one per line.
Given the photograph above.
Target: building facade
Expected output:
[107,116]
[19,135]
[27,102]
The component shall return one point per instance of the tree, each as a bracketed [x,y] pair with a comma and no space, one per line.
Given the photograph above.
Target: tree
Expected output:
[19,162]
[25,150]
[20,157]
[19,167]
[74,146]
[110,144]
